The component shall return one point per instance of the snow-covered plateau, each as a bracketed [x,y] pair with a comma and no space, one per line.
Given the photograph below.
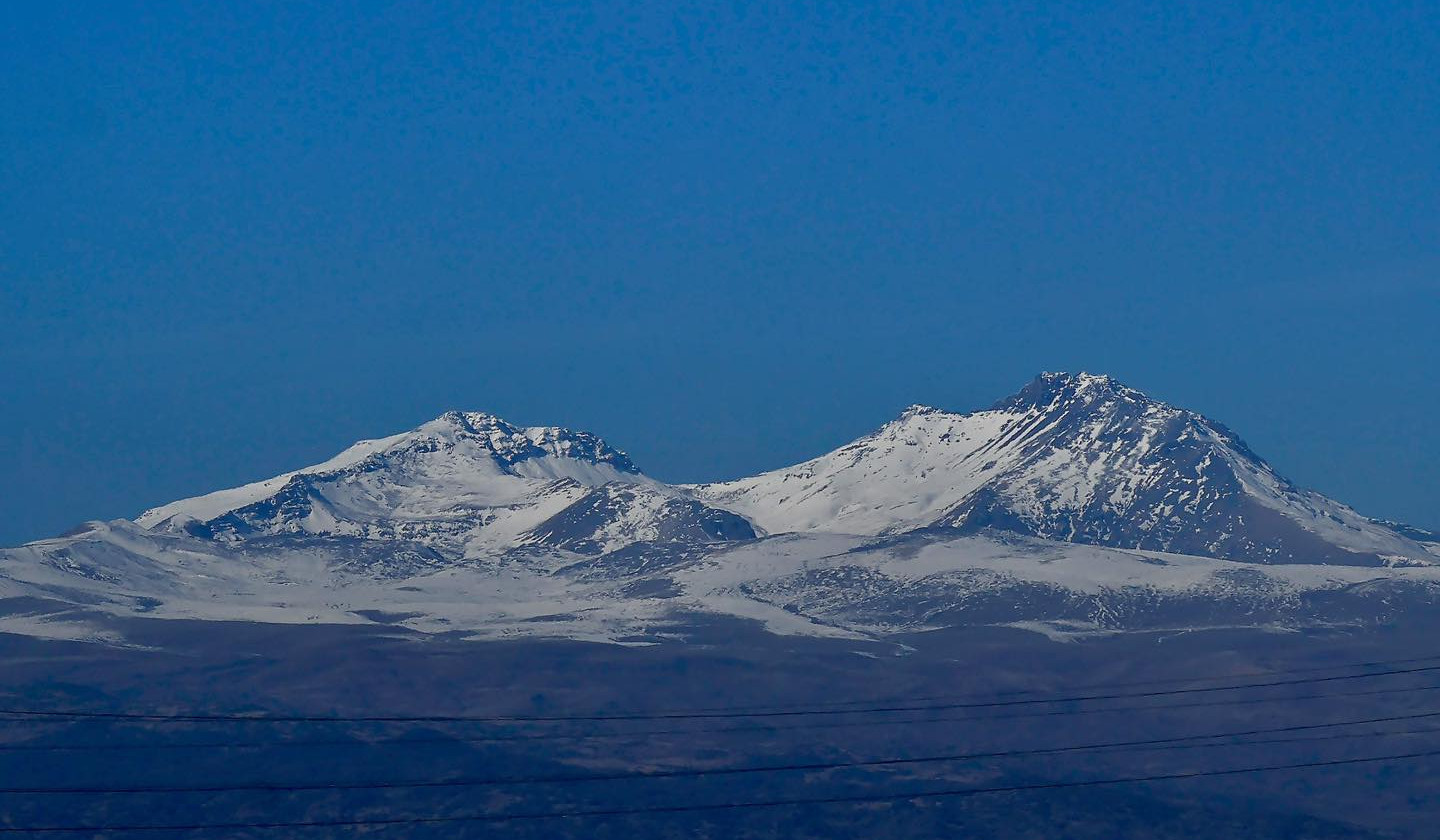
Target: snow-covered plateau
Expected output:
[1078,505]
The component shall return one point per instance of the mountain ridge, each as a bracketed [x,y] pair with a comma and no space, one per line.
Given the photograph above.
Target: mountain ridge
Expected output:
[1074,457]
[1077,504]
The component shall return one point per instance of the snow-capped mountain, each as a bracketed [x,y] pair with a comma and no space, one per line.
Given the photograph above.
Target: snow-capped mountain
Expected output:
[466,484]
[1078,458]
[1076,503]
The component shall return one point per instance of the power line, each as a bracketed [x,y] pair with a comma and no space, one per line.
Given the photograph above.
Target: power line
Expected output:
[1386,663]
[1204,704]
[596,718]
[1269,672]
[650,733]
[720,806]
[1115,746]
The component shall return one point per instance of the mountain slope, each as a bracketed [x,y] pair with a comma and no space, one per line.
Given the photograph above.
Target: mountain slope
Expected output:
[1078,458]
[619,514]
[89,583]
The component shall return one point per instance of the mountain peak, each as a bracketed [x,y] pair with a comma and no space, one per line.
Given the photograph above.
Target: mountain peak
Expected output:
[459,458]
[511,443]
[1055,388]
[920,410]
[1078,457]
[474,422]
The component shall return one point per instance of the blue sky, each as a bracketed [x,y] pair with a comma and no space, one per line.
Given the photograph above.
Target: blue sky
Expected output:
[238,237]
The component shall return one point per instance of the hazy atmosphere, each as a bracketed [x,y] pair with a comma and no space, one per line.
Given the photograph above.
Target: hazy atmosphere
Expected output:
[728,237]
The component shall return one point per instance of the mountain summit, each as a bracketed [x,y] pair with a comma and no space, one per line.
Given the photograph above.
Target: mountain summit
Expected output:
[1051,389]
[1073,457]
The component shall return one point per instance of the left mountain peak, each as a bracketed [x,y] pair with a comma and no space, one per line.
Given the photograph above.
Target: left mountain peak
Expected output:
[457,461]
[512,444]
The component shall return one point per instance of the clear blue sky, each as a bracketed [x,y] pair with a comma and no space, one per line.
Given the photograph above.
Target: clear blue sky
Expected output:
[237,237]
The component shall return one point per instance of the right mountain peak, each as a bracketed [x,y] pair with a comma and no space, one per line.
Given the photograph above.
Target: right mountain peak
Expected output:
[1057,389]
